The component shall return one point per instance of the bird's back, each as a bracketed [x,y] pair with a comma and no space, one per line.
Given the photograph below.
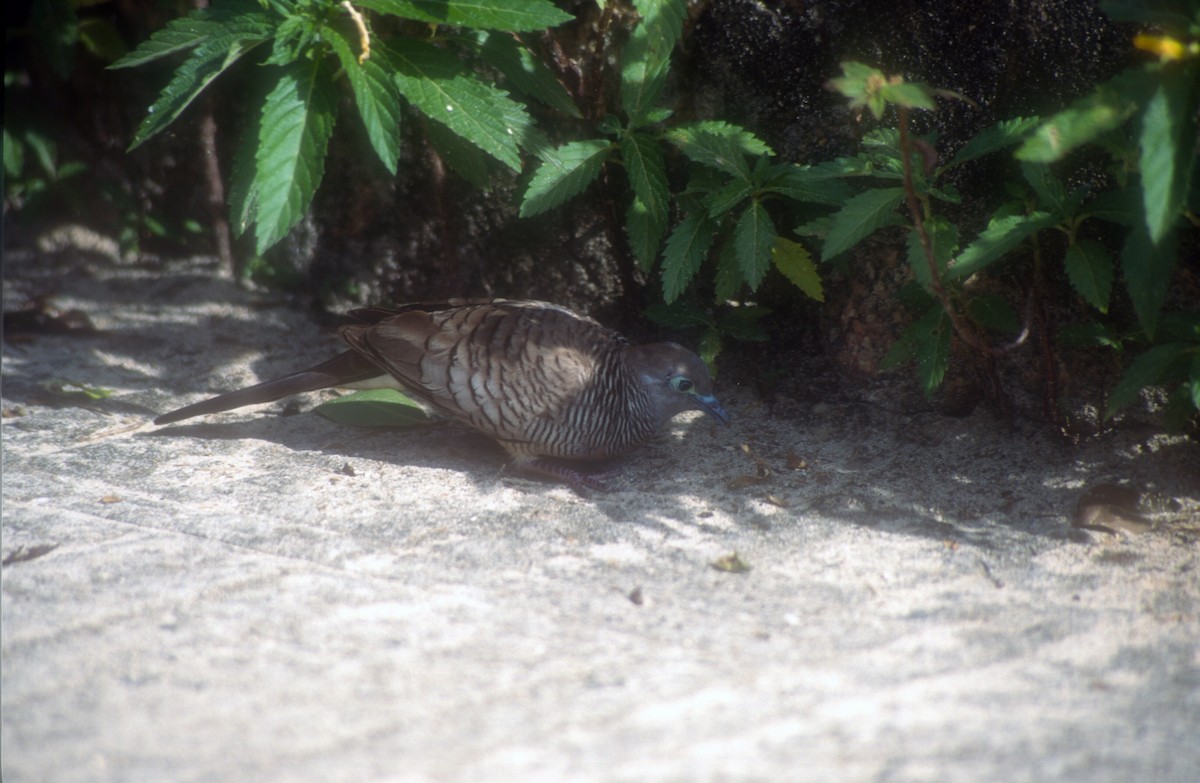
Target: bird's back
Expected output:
[536,377]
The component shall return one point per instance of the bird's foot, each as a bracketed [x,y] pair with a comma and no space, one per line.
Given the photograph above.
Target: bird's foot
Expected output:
[580,481]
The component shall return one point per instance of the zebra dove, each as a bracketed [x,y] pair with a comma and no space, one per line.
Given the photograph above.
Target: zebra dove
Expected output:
[552,387]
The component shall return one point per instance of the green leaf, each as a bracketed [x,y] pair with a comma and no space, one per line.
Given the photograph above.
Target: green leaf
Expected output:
[1147,270]
[196,28]
[753,239]
[511,15]
[647,55]
[1123,207]
[992,312]
[375,408]
[1085,120]
[1168,146]
[297,121]
[863,85]
[645,228]
[933,349]
[723,147]
[861,216]
[102,39]
[243,172]
[993,139]
[643,159]
[1000,237]
[912,95]
[376,96]
[943,239]
[808,184]
[742,139]
[526,72]
[1145,370]
[563,174]
[14,156]
[729,280]
[1090,269]
[678,315]
[685,251]
[793,260]
[204,64]
[1051,193]
[729,196]
[1088,335]
[437,84]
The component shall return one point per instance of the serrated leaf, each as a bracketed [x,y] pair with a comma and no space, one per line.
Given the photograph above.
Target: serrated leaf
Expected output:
[645,228]
[809,184]
[685,251]
[1147,270]
[723,151]
[647,55]
[376,96]
[511,15]
[743,139]
[993,139]
[1146,370]
[527,73]
[677,315]
[196,28]
[564,173]
[1168,146]
[795,263]
[1051,193]
[1090,269]
[729,279]
[204,64]
[243,174]
[729,196]
[1000,237]
[375,408]
[1106,108]
[297,121]
[644,164]
[753,238]
[943,240]
[932,349]
[861,216]
[437,84]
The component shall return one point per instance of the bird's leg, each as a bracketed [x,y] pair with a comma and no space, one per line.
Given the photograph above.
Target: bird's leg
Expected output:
[579,480]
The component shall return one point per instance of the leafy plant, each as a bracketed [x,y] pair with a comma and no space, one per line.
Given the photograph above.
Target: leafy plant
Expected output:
[941,262]
[308,49]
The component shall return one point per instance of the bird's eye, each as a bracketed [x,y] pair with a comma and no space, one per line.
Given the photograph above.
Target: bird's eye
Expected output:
[681,383]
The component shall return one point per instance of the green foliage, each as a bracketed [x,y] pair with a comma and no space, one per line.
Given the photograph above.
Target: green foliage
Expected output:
[1162,97]
[375,408]
[309,48]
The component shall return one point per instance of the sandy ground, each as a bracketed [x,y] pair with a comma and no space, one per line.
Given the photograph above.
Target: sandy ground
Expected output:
[280,598]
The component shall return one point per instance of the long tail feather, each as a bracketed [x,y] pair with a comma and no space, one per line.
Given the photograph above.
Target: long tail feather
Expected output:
[345,368]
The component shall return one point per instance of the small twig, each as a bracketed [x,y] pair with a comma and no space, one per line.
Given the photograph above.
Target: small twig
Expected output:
[364,37]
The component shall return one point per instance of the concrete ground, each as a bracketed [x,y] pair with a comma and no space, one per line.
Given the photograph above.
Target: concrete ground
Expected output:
[280,598]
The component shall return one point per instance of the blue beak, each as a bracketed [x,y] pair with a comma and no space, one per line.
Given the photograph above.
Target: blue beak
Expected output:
[713,408]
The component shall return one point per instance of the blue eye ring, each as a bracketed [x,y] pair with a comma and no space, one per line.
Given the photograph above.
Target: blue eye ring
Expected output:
[682,383]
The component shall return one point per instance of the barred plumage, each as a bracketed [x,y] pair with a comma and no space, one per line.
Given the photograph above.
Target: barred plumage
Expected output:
[546,383]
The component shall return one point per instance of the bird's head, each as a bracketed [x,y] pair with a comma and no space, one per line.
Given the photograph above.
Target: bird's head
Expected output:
[676,379]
